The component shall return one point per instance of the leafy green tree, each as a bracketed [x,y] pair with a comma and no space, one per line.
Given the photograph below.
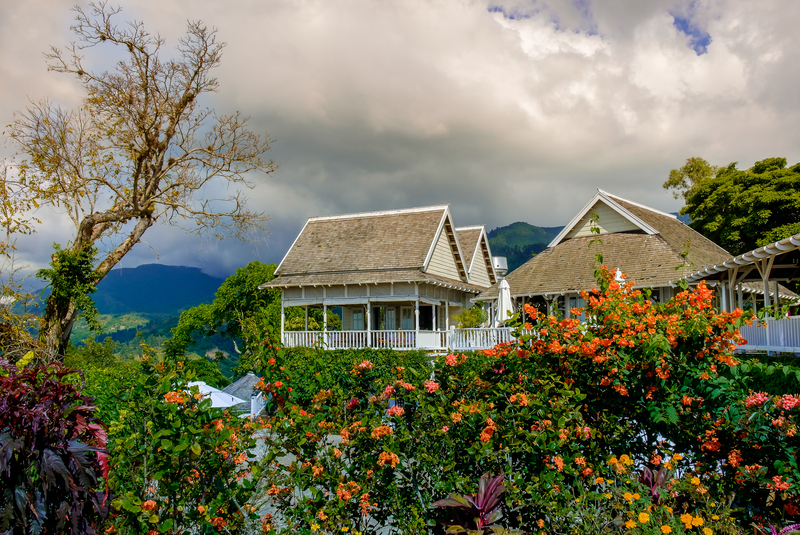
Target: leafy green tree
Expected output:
[473,317]
[693,172]
[741,210]
[139,150]
[236,299]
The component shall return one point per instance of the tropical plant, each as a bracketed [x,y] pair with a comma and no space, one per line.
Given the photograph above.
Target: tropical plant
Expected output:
[178,463]
[481,510]
[53,466]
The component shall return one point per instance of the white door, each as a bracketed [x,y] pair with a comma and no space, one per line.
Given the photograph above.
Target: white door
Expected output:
[390,323]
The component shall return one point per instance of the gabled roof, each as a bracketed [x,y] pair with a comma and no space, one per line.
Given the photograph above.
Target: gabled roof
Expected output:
[648,254]
[358,246]
[475,245]
[612,201]
[243,388]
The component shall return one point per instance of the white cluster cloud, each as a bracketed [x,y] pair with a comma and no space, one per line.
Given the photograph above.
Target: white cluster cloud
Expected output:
[507,110]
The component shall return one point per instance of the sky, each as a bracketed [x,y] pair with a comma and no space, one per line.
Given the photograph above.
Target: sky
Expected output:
[508,111]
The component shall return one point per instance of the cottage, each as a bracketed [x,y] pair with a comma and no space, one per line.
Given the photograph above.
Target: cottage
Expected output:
[397,278]
[642,242]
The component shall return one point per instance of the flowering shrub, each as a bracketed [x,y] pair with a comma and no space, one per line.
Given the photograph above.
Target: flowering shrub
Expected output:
[636,382]
[179,465]
[53,467]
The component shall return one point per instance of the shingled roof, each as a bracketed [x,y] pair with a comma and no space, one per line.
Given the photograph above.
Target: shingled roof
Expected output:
[648,253]
[371,247]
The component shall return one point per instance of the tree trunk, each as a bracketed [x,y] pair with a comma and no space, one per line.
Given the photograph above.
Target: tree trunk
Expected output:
[59,318]
[56,328]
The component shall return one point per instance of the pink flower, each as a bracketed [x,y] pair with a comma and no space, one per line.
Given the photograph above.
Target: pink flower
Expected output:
[445,429]
[431,386]
[389,391]
[756,398]
[352,404]
[450,360]
[396,410]
[788,402]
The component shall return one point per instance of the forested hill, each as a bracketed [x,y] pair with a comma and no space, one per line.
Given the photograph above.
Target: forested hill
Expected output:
[519,241]
[154,289]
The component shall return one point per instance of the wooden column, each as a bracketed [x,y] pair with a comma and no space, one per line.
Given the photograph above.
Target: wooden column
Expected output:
[777,298]
[283,319]
[306,317]
[325,324]
[369,324]
[416,321]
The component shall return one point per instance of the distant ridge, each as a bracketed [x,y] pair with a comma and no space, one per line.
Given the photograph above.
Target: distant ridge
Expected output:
[519,241]
[154,289]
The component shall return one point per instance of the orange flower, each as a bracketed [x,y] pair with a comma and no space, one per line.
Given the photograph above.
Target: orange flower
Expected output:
[149,505]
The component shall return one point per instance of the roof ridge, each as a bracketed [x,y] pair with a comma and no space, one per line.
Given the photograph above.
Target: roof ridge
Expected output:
[471,227]
[634,203]
[381,213]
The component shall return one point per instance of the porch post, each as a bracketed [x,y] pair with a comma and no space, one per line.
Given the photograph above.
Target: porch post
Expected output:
[369,324]
[283,319]
[739,296]
[306,318]
[723,297]
[777,299]
[416,321]
[325,324]
[447,314]
[765,279]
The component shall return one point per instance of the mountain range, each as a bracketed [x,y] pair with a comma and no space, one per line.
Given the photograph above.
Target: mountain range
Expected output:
[519,241]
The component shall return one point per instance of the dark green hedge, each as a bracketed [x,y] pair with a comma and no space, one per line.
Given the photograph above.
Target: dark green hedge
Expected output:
[314,369]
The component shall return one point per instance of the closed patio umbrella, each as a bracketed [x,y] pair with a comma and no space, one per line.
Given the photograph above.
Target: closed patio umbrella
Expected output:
[505,307]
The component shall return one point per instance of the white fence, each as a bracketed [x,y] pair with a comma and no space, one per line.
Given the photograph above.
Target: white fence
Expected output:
[466,339]
[780,335]
[454,339]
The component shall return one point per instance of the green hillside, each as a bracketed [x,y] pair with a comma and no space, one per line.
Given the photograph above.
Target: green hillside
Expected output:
[519,241]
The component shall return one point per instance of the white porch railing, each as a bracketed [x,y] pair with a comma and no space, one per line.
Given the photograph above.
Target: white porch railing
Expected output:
[482,338]
[781,335]
[455,339]
[394,339]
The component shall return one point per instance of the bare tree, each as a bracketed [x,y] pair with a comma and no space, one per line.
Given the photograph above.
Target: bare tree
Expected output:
[139,150]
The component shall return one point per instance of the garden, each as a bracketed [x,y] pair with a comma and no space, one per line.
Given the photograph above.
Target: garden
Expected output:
[640,420]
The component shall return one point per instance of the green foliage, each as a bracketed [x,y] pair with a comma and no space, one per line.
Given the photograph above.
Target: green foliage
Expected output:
[207,371]
[179,464]
[742,210]
[638,420]
[313,369]
[52,454]
[693,172]
[472,317]
[236,300]
[72,279]
[296,319]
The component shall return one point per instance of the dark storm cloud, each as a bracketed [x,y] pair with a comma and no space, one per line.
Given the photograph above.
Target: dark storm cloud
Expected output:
[508,111]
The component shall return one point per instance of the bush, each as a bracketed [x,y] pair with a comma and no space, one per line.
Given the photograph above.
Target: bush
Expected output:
[53,465]
[180,466]
[310,370]
[628,422]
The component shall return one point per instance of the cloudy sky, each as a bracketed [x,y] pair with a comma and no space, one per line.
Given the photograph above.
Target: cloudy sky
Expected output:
[508,111]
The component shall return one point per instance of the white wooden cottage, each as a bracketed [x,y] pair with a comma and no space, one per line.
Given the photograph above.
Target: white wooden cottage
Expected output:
[397,277]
